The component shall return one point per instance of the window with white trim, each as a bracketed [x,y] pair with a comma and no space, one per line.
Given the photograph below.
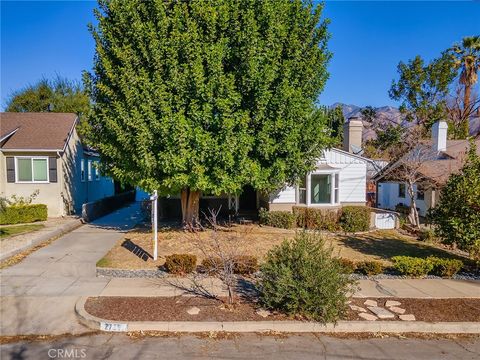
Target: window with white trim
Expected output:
[302,191]
[89,170]
[31,169]
[82,170]
[97,171]
[336,186]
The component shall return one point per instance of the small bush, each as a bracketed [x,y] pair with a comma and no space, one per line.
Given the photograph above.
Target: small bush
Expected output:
[211,265]
[18,214]
[427,235]
[180,264]
[412,266]
[355,219]
[279,219]
[245,265]
[349,266]
[317,219]
[370,267]
[445,267]
[301,278]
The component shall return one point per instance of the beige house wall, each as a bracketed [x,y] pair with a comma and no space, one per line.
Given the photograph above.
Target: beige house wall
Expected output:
[49,193]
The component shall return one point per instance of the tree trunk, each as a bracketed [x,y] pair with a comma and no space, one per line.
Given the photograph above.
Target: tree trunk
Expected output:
[465,126]
[413,216]
[190,201]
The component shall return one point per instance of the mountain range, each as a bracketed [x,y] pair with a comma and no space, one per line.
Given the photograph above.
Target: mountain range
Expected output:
[388,114]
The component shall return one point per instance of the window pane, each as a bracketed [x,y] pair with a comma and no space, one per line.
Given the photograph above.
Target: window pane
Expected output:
[336,196]
[336,181]
[24,169]
[40,169]
[321,189]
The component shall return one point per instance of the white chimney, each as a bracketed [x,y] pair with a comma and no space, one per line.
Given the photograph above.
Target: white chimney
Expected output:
[439,135]
[352,135]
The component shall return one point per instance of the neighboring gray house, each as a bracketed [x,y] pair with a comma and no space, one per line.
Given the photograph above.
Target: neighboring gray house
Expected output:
[42,151]
[447,157]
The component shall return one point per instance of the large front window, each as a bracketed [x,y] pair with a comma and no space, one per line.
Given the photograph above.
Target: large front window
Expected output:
[32,169]
[321,189]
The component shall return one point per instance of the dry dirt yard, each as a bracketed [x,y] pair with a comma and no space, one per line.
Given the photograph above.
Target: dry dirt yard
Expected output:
[135,250]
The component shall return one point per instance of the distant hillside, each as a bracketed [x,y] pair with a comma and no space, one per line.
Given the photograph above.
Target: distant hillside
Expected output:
[388,114]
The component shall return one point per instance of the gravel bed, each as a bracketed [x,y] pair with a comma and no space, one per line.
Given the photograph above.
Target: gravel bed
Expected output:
[459,276]
[122,273]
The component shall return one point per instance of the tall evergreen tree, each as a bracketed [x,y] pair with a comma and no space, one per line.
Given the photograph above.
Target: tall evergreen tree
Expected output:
[207,95]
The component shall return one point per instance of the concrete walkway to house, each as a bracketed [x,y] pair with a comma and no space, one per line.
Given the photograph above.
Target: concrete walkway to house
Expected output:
[53,227]
[38,295]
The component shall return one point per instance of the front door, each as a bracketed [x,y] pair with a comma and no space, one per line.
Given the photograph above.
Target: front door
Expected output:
[248,198]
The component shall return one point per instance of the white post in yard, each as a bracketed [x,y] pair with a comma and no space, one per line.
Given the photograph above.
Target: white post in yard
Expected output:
[154,199]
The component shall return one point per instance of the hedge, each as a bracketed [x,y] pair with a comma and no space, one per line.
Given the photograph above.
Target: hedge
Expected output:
[18,214]
[180,264]
[355,219]
[317,219]
[280,219]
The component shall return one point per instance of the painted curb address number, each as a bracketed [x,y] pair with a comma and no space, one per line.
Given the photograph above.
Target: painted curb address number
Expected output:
[105,326]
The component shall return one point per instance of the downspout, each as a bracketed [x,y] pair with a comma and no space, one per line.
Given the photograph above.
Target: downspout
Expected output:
[60,180]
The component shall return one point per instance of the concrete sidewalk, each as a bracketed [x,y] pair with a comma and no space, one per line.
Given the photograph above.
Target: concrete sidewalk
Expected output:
[401,288]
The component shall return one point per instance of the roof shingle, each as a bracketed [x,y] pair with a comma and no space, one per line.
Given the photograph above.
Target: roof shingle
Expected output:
[36,131]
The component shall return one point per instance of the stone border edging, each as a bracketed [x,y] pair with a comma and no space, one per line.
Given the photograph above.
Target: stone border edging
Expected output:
[274,326]
[132,274]
[60,231]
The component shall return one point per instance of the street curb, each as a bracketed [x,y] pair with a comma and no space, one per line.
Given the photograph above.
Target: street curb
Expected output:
[96,323]
[62,230]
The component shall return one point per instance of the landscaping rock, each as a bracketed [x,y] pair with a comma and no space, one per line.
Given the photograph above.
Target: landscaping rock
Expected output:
[407,317]
[397,310]
[367,316]
[391,303]
[193,311]
[357,308]
[370,303]
[381,312]
[263,313]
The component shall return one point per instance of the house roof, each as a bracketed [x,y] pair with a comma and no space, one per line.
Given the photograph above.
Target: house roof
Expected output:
[446,162]
[36,131]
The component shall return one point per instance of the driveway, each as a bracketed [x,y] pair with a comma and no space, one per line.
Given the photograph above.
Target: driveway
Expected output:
[39,293]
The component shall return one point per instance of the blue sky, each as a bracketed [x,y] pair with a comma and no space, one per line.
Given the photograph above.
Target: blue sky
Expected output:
[368,40]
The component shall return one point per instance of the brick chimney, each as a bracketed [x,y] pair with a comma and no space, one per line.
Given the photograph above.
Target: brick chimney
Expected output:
[352,135]
[439,135]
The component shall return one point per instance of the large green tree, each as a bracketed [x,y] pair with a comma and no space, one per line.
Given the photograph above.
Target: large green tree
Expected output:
[57,95]
[207,95]
[422,89]
[457,215]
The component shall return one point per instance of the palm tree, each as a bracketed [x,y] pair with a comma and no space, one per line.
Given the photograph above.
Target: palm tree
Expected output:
[467,58]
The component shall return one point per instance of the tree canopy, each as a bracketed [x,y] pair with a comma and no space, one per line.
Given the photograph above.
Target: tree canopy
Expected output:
[423,88]
[57,95]
[207,96]
[457,215]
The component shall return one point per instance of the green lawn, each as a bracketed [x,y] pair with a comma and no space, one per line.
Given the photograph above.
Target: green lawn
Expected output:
[6,231]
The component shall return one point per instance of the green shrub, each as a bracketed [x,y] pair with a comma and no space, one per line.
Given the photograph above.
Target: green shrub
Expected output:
[317,219]
[279,219]
[349,266]
[301,278]
[180,264]
[355,219]
[412,266]
[245,265]
[370,267]
[18,214]
[427,235]
[445,267]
